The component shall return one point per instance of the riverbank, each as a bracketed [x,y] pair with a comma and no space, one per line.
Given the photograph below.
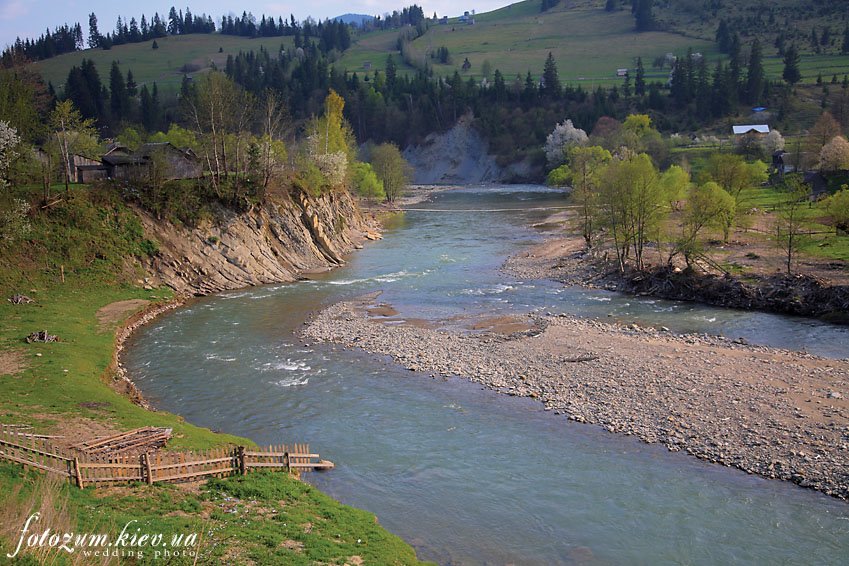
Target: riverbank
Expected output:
[774,413]
[76,389]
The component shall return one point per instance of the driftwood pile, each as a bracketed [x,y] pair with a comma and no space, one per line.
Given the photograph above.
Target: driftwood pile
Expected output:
[20,300]
[41,336]
[140,440]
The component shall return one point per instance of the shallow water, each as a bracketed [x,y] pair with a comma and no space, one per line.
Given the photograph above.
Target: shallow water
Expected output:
[466,475]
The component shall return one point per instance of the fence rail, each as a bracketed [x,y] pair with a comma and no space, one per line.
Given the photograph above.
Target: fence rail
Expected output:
[98,470]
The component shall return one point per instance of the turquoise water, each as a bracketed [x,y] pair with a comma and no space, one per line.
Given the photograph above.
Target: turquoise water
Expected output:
[466,475]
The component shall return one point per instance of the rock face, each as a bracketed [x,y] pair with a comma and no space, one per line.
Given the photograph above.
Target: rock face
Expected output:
[271,244]
[458,156]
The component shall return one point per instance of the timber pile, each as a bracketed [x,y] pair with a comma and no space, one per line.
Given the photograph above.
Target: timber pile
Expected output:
[140,440]
[20,300]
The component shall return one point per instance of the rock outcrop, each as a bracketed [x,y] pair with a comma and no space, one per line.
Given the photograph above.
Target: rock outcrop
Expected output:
[271,244]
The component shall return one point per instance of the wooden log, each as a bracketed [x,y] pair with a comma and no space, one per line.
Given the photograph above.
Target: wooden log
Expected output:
[243,468]
[78,473]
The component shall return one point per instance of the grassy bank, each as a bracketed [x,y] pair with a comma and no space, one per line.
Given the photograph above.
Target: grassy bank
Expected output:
[79,263]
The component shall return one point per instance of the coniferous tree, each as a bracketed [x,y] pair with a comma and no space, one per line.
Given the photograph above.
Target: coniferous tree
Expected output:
[93,33]
[119,101]
[132,86]
[723,37]
[644,16]
[551,87]
[791,72]
[610,5]
[755,78]
[735,66]
[845,47]
[640,79]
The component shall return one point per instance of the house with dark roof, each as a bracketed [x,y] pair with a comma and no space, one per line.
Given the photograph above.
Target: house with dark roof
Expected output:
[122,164]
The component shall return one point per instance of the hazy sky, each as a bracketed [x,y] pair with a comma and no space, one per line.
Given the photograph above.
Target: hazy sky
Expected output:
[29,18]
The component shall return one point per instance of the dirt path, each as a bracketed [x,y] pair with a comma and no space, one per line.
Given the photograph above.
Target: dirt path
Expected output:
[113,313]
[12,362]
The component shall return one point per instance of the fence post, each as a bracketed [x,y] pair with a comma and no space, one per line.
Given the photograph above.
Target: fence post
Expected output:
[78,473]
[147,468]
[240,454]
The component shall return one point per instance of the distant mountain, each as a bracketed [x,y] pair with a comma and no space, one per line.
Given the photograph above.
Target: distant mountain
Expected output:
[357,19]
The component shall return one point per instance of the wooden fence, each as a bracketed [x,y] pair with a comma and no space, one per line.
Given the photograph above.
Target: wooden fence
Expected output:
[160,466]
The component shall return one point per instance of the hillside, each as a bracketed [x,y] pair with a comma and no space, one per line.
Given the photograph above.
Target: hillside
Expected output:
[166,65]
[590,44]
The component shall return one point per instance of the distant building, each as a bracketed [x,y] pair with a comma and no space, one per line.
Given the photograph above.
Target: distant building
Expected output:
[742,130]
[621,72]
[443,21]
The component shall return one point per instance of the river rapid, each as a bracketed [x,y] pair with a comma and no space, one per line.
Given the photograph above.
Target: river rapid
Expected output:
[469,476]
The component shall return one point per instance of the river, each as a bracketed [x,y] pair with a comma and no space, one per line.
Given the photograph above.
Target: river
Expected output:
[466,475]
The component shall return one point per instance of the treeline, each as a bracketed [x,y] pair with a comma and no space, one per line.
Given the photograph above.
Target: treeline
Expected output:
[63,39]
[331,34]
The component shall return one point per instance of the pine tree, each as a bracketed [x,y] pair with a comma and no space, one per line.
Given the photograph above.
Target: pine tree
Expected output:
[644,16]
[845,47]
[94,34]
[132,86]
[791,72]
[119,101]
[755,78]
[723,37]
[551,87]
[610,6]
[640,80]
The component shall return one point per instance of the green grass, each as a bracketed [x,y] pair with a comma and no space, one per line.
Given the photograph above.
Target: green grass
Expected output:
[261,518]
[588,43]
[160,65]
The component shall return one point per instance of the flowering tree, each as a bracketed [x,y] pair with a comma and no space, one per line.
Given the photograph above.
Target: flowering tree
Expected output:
[773,142]
[8,142]
[834,155]
[563,137]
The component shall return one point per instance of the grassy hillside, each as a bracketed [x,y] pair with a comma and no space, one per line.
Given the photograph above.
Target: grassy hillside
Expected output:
[589,44]
[163,65]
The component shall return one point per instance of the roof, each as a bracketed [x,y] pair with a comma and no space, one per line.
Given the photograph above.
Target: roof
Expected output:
[745,129]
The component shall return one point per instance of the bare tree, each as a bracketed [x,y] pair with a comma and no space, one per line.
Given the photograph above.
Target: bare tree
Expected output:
[789,225]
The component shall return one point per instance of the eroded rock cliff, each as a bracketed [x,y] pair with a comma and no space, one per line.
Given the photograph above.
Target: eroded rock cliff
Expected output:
[271,244]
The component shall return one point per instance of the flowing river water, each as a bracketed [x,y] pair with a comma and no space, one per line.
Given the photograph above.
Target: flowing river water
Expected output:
[466,475]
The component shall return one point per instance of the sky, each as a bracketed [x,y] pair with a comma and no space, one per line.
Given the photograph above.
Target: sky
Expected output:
[30,18]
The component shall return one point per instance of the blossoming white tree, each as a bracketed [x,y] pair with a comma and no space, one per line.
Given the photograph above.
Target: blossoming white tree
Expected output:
[559,140]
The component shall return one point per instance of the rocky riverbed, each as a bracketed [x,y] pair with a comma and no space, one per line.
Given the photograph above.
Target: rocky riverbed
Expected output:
[770,412]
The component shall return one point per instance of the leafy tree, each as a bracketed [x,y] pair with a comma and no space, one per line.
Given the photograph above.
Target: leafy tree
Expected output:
[834,155]
[789,224]
[584,169]
[391,169]
[708,206]
[273,117]
[824,130]
[674,183]
[631,204]
[773,142]
[734,175]
[366,183]
[72,133]
[837,206]
[791,73]
[330,143]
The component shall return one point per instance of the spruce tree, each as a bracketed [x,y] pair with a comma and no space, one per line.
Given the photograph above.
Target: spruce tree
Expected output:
[791,72]
[640,79]
[119,101]
[551,81]
[845,47]
[644,16]
[94,34]
[755,78]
